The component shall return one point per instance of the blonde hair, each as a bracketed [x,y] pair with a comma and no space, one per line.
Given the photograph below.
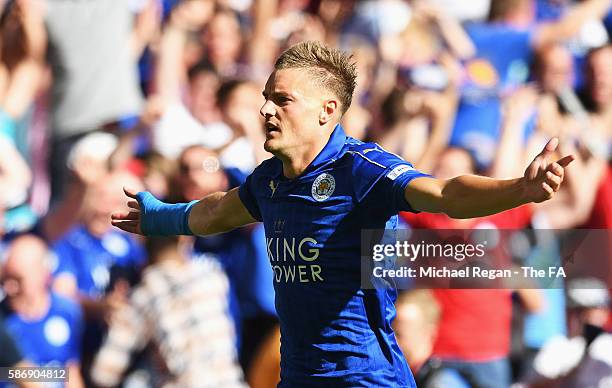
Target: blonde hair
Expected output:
[333,69]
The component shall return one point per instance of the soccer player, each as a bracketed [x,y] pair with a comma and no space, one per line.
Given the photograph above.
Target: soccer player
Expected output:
[314,197]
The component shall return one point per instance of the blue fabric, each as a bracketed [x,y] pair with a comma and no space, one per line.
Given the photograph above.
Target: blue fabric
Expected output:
[93,261]
[548,11]
[333,332]
[551,321]
[163,219]
[608,23]
[243,255]
[19,219]
[446,378]
[500,65]
[235,176]
[489,374]
[55,339]
[7,126]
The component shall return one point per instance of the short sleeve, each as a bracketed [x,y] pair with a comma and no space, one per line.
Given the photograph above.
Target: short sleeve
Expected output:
[380,179]
[247,196]
[390,187]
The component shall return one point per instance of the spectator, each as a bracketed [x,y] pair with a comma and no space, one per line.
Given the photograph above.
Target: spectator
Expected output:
[238,102]
[416,328]
[198,117]
[21,57]
[504,49]
[90,253]
[417,123]
[598,92]
[96,264]
[586,352]
[554,69]
[47,326]
[223,43]
[485,363]
[11,356]
[94,72]
[242,253]
[597,98]
[181,307]
[158,172]
[15,176]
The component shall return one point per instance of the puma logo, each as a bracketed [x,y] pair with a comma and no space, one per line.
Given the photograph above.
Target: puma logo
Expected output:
[273,187]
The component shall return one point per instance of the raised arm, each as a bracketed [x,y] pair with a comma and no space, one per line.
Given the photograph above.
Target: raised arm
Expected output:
[215,213]
[570,24]
[146,27]
[262,48]
[170,74]
[469,196]
[455,37]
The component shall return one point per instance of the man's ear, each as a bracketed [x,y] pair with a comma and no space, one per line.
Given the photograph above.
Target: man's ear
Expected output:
[328,111]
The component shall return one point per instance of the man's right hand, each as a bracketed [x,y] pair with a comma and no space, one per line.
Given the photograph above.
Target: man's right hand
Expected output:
[149,216]
[216,213]
[128,220]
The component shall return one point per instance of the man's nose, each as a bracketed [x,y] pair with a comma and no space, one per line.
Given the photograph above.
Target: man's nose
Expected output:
[267,109]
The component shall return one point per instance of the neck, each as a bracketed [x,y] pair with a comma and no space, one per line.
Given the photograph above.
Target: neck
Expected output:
[32,308]
[299,158]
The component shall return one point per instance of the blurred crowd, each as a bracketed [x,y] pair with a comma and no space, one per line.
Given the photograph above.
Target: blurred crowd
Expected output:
[164,95]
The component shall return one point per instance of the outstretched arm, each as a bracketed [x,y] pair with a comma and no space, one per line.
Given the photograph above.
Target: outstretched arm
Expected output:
[469,196]
[570,24]
[215,213]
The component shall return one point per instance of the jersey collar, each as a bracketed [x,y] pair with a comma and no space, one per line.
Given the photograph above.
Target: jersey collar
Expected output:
[331,151]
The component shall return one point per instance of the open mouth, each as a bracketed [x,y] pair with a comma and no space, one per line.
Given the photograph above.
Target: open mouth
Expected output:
[271,127]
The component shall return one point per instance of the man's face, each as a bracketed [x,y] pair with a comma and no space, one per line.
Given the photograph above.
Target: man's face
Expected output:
[24,274]
[200,173]
[202,99]
[600,76]
[557,69]
[223,39]
[103,198]
[242,105]
[292,111]
[453,162]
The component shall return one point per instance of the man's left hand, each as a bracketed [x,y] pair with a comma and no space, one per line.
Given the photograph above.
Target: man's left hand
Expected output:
[542,177]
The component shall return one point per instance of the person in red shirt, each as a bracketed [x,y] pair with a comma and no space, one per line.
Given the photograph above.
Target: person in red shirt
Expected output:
[474,329]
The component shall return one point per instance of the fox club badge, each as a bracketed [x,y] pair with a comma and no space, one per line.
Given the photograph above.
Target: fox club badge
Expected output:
[323,187]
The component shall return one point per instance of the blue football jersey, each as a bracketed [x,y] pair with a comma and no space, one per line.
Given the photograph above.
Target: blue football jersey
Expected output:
[334,333]
[501,65]
[53,340]
[92,260]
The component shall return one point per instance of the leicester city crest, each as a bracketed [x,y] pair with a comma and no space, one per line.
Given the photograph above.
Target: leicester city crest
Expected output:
[323,187]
